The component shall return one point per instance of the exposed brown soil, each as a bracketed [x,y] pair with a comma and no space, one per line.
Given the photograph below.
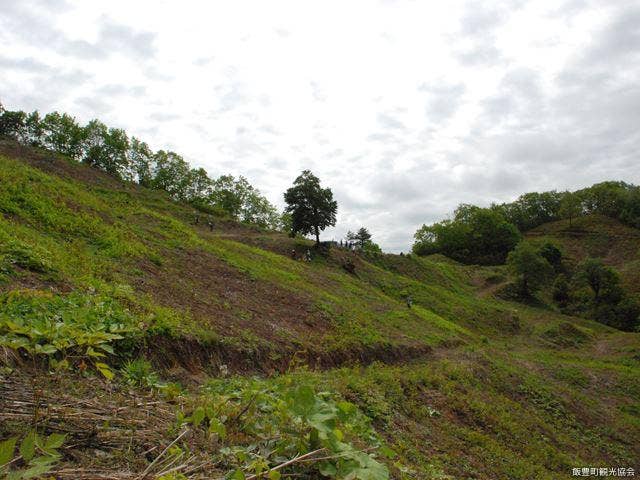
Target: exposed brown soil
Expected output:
[26,279]
[229,301]
[53,163]
[185,360]
[594,235]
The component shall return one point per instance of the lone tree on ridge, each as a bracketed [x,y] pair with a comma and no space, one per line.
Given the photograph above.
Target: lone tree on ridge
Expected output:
[312,208]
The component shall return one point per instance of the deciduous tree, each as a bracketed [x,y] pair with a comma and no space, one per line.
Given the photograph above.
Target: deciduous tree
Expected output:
[570,206]
[312,207]
[603,280]
[530,268]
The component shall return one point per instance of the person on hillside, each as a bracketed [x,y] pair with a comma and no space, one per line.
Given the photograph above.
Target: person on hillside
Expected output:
[210,225]
[196,219]
[307,255]
[409,301]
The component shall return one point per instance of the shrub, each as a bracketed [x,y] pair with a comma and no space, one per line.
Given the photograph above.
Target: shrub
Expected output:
[552,254]
[530,268]
[261,425]
[603,280]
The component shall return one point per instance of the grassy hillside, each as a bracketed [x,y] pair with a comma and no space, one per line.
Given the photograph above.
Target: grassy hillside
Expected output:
[600,237]
[462,384]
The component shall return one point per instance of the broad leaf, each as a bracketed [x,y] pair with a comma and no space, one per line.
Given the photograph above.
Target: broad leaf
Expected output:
[28,446]
[104,369]
[197,416]
[274,475]
[6,450]
[55,440]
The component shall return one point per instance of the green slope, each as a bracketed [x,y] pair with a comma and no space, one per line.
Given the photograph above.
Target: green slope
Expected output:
[462,384]
[596,236]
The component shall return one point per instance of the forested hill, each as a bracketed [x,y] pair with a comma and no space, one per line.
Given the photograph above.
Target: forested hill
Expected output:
[575,250]
[141,337]
[487,235]
[113,151]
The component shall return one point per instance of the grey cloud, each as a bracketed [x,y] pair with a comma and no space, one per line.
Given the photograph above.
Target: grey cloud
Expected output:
[113,89]
[245,144]
[520,99]
[164,116]
[348,201]
[388,121]
[620,41]
[154,73]
[335,153]
[444,100]
[203,132]
[113,39]
[480,18]
[47,91]
[475,42]
[543,142]
[599,99]
[400,188]
[149,131]
[276,163]
[29,65]
[264,100]
[202,61]
[95,105]
[282,32]
[270,129]
[318,93]
[479,54]
[569,9]
[381,137]
[614,49]
[28,21]
[401,203]
[232,96]
[498,107]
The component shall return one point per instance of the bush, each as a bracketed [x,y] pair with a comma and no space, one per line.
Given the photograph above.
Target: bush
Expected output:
[552,254]
[530,268]
[603,280]
[623,315]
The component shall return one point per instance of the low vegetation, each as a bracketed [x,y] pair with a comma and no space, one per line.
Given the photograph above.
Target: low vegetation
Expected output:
[137,341]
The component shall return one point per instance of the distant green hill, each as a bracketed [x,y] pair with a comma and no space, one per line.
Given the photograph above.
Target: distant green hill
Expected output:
[460,383]
[599,237]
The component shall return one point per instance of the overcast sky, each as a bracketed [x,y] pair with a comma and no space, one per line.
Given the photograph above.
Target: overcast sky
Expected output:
[404,108]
